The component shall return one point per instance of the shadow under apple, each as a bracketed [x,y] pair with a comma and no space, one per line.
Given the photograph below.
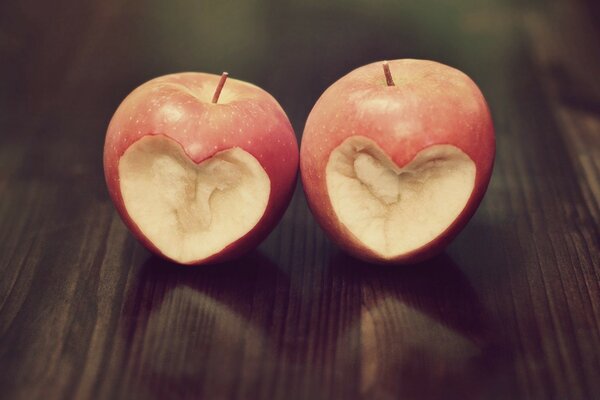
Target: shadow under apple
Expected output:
[188,330]
[383,330]
[422,329]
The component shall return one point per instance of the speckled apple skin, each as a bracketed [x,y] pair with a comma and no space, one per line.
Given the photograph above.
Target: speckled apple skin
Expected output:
[245,116]
[430,104]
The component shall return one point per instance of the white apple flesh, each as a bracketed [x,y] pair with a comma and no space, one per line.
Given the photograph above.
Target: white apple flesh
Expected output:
[395,160]
[200,171]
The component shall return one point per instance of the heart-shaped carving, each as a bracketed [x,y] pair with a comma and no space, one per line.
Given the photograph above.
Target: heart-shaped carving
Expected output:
[191,211]
[393,210]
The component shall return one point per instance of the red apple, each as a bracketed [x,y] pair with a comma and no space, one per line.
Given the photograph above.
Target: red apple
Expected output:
[200,169]
[396,157]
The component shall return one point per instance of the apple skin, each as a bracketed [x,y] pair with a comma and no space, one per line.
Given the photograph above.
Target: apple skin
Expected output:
[179,107]
[430,104]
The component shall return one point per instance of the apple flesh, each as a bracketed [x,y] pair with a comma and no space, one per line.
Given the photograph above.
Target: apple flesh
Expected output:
[200,169]
[396,159]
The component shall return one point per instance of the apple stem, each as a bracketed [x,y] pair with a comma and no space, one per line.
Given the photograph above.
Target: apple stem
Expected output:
[219,87]
[388,74]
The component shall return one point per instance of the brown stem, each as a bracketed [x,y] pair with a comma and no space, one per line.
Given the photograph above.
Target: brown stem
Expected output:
[219,87]
[388,74]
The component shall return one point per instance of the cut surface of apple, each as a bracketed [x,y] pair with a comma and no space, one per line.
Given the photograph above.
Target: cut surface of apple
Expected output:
[191,211]
[394,210]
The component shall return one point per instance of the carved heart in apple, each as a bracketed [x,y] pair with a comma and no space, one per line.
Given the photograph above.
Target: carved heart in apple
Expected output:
[395,160]
[395,210]
[200,171]
[178,204]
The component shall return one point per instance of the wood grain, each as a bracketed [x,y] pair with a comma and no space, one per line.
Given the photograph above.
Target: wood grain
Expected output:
[511,310]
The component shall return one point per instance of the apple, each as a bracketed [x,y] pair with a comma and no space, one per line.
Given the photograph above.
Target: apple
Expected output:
[396,157]
[199,168]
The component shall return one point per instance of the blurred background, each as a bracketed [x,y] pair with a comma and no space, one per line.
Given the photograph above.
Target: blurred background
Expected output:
[82,58]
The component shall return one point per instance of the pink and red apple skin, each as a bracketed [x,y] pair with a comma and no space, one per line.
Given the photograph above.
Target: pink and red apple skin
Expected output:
[248,118]
[430,104]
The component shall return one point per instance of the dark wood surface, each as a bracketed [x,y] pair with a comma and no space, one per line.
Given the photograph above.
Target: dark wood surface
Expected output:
[511,310]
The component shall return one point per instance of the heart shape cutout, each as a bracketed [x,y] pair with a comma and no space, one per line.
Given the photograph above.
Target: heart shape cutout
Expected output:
[191,211]
[392,210]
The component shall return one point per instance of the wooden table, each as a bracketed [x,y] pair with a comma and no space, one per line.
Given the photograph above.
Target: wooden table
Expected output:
[511,310]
